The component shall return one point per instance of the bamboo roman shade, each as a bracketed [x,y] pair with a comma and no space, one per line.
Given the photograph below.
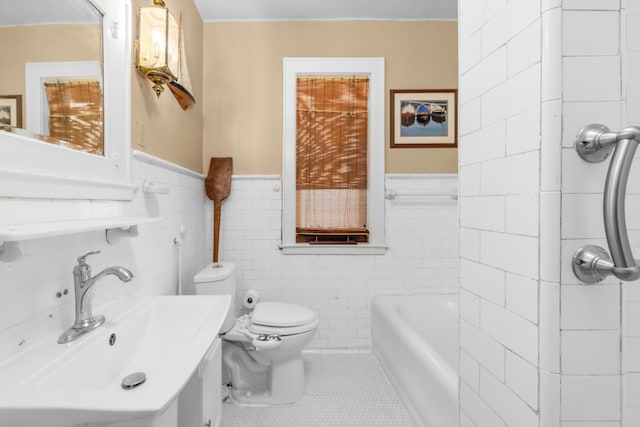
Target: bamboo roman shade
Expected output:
[75,114]
[331,158]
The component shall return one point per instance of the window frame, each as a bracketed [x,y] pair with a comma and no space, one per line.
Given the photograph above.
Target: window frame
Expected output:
[374,68]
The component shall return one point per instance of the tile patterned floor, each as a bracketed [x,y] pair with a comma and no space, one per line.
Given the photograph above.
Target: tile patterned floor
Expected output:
[343,390]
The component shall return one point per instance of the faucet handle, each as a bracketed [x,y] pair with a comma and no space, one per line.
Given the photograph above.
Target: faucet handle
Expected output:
[81,259]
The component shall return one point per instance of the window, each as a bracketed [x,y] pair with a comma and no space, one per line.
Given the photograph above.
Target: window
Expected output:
[64,104]
[75,114]
[333,166]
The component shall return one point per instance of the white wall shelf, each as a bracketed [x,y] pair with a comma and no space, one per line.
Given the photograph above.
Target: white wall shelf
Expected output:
[19,232]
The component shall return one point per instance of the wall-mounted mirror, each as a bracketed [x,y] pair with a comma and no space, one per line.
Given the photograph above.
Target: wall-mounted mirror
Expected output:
[54,65]
[65,98]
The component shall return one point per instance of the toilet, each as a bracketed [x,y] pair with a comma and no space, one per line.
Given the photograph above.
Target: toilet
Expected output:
[262,350]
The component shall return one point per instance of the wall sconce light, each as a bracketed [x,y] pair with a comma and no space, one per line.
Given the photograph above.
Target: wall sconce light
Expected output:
[158,45]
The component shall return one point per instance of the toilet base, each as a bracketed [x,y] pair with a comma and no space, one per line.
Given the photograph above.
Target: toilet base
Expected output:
[254,383]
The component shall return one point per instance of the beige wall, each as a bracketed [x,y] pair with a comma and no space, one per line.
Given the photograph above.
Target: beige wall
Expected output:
[236,73]
[159,126]
[43,43]
[243,82]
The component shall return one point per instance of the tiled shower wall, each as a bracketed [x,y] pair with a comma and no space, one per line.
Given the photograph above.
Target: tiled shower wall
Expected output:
[589,68]
[509,212]
[590,315]
[630,35]
[421,234]
[601,85]
[29,306]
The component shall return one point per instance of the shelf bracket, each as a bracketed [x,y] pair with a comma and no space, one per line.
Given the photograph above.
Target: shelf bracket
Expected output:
[113,235]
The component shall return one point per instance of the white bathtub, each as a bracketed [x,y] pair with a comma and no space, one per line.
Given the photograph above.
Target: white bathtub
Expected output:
[415,340]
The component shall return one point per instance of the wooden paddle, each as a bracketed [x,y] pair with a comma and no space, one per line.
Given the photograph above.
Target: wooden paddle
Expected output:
[218,187]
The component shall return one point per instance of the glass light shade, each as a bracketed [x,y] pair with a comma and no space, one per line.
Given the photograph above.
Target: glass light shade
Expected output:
[158,55]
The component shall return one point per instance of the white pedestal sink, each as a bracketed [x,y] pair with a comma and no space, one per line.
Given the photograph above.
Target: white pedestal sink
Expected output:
[80,383]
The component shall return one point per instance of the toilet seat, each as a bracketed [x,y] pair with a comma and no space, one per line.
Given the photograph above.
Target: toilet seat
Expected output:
[272,318]
[282,319]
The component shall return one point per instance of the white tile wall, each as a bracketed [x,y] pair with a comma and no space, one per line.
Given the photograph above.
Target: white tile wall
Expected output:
[551,54]
[549,399]
[550,203]
[595,352]
[506,402]
[549,336]
[422,256]
[485,143]
[29,307]
[512,331]
[579,73]
[470,307]
[508,99]
[591,397]
[470,371]
[591,4]
[522,377]
[582,76]
[501,217]
[524,128]
[524,49]
[591,316]
[476,409]
[484,281]
[594,307]
[522,296]
[579,39]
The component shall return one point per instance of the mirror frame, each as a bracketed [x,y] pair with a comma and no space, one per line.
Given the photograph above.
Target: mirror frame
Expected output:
[34,169]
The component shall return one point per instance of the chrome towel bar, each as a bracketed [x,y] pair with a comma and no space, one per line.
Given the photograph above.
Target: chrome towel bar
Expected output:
[591,263]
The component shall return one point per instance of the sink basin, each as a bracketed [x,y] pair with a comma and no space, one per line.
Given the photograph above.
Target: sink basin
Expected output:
[61,385]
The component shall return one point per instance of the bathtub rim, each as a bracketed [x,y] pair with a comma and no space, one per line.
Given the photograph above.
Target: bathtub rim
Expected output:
[447,375]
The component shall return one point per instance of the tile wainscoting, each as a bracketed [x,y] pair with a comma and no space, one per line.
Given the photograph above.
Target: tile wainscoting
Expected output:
[422,255]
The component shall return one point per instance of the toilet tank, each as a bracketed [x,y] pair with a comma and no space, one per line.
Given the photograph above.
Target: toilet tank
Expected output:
[219,279]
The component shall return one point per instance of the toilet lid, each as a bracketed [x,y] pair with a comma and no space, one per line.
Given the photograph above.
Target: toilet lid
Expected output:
[283,330]
[215,272]
[282,315]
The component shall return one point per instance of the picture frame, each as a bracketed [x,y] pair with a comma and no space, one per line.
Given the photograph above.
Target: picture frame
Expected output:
[11,111]
[424,118]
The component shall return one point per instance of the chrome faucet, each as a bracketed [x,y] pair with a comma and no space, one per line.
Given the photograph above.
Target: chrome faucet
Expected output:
[83,284]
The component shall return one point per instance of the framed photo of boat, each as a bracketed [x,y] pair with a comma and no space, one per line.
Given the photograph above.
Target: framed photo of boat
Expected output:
[10,111]
[424,118]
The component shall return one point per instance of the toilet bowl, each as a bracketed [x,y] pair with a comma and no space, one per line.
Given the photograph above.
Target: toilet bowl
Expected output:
[261,350]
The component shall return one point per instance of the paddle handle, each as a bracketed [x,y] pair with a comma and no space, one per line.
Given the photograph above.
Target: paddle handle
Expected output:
[217,210]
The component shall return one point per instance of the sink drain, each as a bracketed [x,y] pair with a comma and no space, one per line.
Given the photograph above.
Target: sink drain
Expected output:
[134,380]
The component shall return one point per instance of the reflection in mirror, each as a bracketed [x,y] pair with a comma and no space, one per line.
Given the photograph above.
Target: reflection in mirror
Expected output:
[54,63]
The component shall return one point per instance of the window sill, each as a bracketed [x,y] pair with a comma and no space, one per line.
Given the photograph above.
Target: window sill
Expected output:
[306,249]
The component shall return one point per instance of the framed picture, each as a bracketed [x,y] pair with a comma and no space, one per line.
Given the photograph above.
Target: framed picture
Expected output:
[11,110]
[424,118]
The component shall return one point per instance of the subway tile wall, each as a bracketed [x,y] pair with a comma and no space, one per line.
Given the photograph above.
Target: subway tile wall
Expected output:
[630,36]
[508,210]
[421,234]
[590,321]
[29,306]
[582,376]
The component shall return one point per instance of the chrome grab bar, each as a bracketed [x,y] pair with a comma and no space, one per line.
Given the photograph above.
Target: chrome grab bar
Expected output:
[591,263]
